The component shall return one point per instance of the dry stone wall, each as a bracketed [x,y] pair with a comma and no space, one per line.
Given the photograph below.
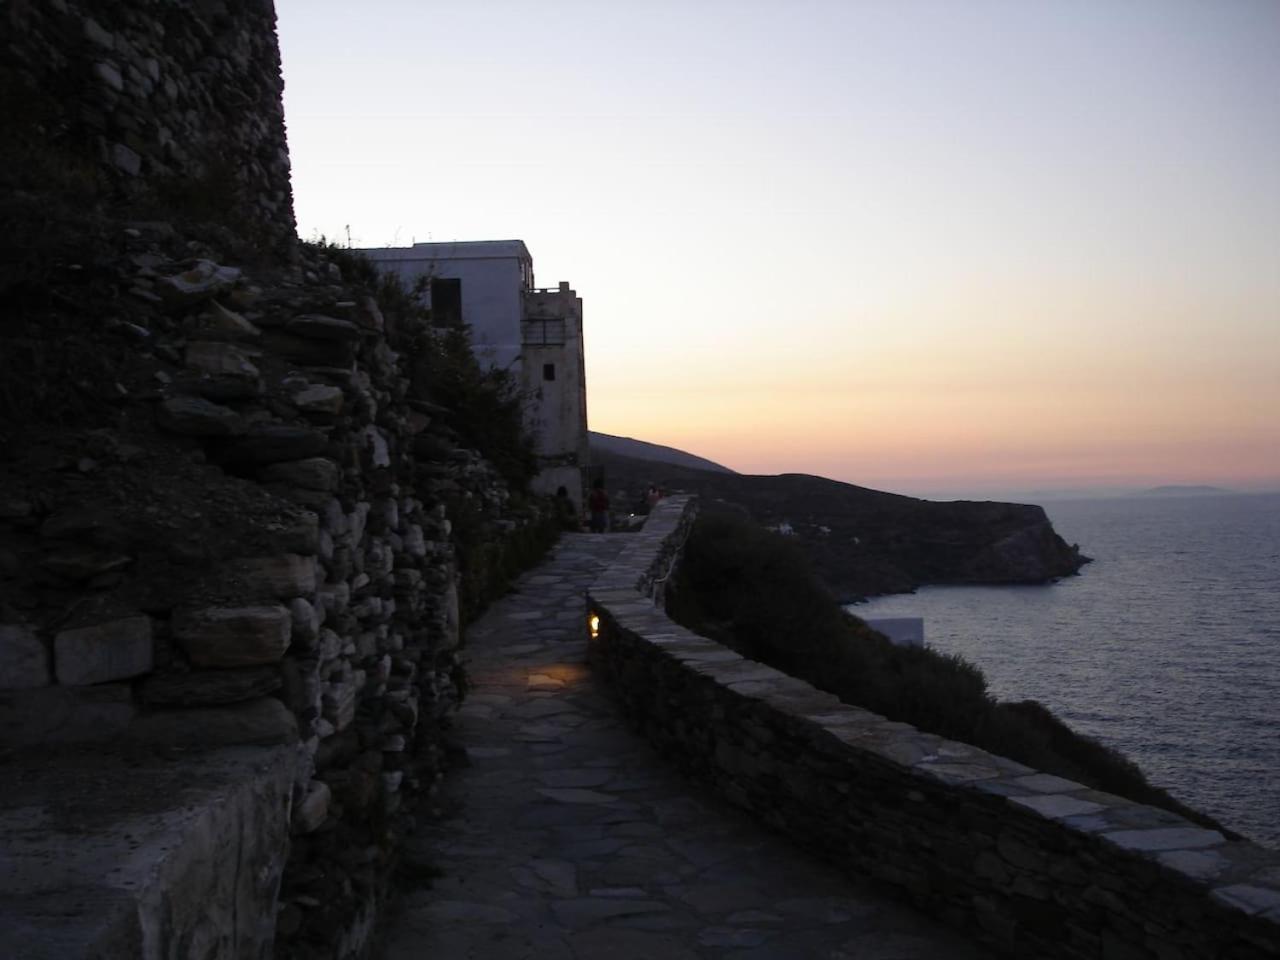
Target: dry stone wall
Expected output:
[157,107]
[1034,864]
[254,547]
[227,498]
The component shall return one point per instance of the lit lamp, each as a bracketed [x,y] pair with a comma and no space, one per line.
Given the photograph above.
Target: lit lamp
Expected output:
[593,624]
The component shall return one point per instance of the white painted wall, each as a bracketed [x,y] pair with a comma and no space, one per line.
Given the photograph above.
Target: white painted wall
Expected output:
[497,297]
[494,276]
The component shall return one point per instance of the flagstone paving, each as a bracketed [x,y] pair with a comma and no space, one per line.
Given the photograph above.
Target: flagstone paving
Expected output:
[569,839]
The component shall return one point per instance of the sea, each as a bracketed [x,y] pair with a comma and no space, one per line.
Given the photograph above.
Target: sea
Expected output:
[1166,647]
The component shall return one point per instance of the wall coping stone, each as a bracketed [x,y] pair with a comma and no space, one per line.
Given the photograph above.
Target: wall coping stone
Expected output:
[105,859]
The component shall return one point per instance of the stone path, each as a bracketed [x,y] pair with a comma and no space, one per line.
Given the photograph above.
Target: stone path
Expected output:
[571,840]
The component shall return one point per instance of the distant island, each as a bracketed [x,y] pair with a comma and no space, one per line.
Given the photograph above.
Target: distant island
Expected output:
[1183,490]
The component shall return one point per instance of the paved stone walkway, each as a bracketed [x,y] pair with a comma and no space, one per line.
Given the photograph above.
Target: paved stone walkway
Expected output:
[572,840]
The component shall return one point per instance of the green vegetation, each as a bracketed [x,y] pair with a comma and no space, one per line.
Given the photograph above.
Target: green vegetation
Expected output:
[472,407]
[481,405]
[490,560]
[755,592]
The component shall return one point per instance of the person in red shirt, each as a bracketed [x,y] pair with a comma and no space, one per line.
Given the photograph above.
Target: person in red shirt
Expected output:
[598,505]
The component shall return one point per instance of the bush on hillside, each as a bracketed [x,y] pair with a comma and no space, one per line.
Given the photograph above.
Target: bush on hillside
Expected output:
[755,592]
[480,409]
[478,403]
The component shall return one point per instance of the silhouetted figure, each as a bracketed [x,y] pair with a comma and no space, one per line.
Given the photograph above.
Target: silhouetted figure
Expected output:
[598,504]
[566,512]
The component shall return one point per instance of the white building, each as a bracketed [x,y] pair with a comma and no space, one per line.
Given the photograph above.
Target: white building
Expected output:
[535,333]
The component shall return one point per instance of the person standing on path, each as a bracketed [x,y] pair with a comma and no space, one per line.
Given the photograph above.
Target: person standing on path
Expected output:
[598,504]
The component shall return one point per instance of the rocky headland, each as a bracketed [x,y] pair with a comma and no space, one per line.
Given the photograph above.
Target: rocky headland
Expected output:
[866,542]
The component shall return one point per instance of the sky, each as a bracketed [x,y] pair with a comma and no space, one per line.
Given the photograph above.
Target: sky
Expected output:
[937,247]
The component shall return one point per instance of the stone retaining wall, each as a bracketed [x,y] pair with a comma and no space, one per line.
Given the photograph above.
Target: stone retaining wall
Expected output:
[227,500]
[255,547]
[111,855]
[153,105]
[1033,864]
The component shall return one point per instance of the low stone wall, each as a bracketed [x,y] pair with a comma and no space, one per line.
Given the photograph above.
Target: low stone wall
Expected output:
[128,855]
[1033,864]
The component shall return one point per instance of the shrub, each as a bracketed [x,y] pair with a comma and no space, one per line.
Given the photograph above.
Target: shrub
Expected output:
[481,404]
[755,592]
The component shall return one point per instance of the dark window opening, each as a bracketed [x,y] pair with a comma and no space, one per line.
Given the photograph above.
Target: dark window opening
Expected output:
[548,371]
[446,303]
[544,333]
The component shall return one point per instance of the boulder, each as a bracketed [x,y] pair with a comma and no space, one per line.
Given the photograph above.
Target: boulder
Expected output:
[224,324]
[223,388]
[23,661]
[307,620]
[335,356]
[84,524]
[76,562]
[318,398]
[234,636]
[216,358]
[200,281]
[338,703]
[300,535]
[369,316]
[277,442]
[195,417]
[283,576]
[199,688]
[301,679]
[379,454]
[311,473]
[313,500]
[315,326]
[314,808]
[112,650]
[259,722]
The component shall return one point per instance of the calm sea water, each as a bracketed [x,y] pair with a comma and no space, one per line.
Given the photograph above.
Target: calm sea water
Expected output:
[1166,647]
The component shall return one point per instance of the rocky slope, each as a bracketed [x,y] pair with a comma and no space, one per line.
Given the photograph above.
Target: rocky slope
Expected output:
[865,542]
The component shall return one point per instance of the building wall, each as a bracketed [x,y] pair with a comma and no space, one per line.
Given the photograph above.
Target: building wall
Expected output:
[492,287]
[503,310]
[149,110]
[1032,864]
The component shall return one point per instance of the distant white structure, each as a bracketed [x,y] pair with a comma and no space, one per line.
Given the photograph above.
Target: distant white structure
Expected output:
[901,631]
[535,333]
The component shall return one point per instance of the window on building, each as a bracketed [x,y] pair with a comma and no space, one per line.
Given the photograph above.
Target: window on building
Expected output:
[544,333]
[548,371]
[446,303]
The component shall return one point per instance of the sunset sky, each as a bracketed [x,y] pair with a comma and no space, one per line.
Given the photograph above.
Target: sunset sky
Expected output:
[943,248]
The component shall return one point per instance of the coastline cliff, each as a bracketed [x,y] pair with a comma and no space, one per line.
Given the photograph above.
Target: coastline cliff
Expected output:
[865,542]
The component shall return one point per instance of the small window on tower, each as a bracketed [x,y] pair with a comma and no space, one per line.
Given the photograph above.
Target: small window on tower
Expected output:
[548,371]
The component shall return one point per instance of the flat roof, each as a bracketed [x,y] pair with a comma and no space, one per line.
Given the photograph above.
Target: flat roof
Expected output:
[453,250]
